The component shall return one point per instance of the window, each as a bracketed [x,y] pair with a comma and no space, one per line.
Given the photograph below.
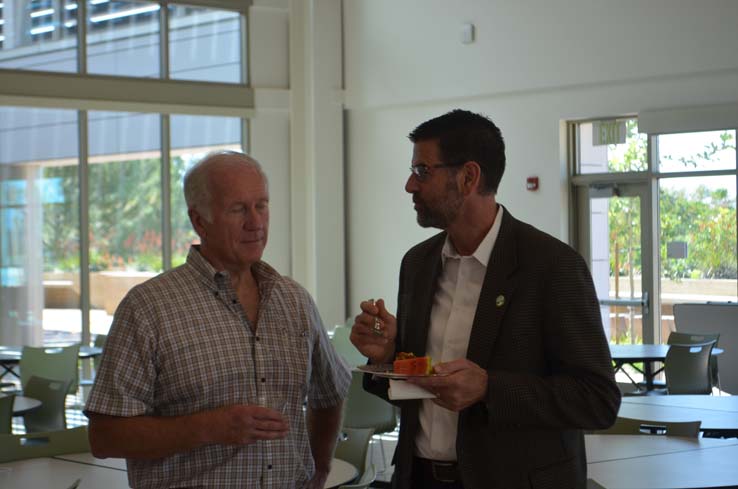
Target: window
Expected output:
[656,234]
[91,196]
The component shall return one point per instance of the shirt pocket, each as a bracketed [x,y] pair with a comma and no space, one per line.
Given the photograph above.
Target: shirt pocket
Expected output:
[290,351]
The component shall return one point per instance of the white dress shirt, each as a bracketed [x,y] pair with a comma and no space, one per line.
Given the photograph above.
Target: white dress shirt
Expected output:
[452,314]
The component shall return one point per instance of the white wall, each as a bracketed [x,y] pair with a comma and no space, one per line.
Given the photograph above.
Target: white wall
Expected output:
[534,65]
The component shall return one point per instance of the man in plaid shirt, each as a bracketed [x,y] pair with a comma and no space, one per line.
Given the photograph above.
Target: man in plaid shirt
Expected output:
[208,366]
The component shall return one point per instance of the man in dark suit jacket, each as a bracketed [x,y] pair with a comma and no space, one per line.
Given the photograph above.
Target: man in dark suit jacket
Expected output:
[511,314]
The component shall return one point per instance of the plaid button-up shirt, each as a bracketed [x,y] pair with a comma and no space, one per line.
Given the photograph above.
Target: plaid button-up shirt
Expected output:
[180,343]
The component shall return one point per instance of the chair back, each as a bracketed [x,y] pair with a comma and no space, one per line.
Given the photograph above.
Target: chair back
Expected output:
[365,410]
[684,338]
[51,415]
[100,343]
[366,480]
[57,363]
[48,444]
[593,484]
[632,426]
[353,446]
[345,348]
[687,368]
[6,413]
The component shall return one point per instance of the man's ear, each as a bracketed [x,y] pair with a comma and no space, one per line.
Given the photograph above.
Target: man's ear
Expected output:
[472,177]
[198,222]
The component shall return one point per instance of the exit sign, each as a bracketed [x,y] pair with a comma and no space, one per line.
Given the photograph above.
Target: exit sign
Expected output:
[608,132]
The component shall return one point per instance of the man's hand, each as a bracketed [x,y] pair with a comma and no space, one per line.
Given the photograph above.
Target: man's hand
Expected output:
[377,345]
[460,384]
[242,424]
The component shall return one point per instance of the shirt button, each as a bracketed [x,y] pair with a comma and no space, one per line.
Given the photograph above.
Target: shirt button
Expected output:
[263,379]
[257,338]
[216,294]
[234,301]
[269,466]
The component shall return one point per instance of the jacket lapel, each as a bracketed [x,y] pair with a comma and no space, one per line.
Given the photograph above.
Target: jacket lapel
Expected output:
[424,290]
[496,294]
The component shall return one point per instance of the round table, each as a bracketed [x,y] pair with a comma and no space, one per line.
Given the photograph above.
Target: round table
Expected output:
[341,473]
[23,405]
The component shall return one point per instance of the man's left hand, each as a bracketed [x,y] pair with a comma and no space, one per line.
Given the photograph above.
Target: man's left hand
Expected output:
[460,384]
[318,480]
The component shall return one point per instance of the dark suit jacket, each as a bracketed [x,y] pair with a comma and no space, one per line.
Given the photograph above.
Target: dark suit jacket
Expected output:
[538,333]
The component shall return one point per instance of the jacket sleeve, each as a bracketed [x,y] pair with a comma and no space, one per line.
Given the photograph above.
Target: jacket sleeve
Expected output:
[576,388]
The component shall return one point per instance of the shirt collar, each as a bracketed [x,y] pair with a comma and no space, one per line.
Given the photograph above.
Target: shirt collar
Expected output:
[263,272]
[484,250]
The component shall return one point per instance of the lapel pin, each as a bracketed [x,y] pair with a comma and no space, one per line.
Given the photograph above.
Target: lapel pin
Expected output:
[500,301]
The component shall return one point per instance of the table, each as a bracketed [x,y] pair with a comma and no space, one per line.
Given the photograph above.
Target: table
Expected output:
[53,473]
[719,414]
[23,405]
[10,356]
[341,471]
[646,354]
[664,462]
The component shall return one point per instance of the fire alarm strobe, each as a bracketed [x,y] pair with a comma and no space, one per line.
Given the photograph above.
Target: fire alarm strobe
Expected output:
[531,183]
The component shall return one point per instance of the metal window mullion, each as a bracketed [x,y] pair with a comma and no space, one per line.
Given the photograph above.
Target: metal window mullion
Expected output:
[164,42]
[166,192]
[230,5]
[84,224]
[82,36]
[245,136]
[244,28]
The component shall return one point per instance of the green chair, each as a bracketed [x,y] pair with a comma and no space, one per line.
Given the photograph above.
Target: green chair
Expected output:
[99,343]
[632,426]
[57,363]
[48,444]
[593,484]
[345,348]
[687,368]
[684,338]
[51,416]
[6,413]
[89,382]
[366,480]
[365,410]
[353,445]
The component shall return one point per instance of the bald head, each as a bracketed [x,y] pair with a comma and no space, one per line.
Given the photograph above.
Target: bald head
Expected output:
[198,185]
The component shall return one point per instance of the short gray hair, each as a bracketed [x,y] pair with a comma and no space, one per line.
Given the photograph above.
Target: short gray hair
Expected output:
[197,178]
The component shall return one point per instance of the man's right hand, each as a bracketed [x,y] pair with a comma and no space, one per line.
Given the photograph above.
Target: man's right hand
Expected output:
[242,424]
[378,348]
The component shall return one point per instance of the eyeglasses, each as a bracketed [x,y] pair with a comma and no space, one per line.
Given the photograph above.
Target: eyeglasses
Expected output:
[423,171]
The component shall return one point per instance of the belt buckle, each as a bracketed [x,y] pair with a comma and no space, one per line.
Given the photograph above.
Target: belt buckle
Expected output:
[443,471]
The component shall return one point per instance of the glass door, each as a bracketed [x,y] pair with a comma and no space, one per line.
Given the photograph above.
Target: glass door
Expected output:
[613,235]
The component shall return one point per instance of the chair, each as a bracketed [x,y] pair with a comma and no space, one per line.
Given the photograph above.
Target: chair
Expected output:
[47,444]
[684,338]
[366,480]
[57,363]
[687,368]
[89,382]
[365,410]
[631,426]
[51,415]
[593,484]
[353,445]
[6,413]
[345,348]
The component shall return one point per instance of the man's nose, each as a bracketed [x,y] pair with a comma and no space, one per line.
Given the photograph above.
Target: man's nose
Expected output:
[253,218]
[411,185]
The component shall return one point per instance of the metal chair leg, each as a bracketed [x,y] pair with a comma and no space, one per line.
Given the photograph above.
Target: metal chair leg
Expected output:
[384,458]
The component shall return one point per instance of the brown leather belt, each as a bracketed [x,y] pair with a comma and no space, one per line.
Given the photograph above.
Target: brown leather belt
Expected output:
[441,471]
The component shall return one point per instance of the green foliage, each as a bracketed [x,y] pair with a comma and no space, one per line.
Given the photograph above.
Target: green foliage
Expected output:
[705,219]
[124,215]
